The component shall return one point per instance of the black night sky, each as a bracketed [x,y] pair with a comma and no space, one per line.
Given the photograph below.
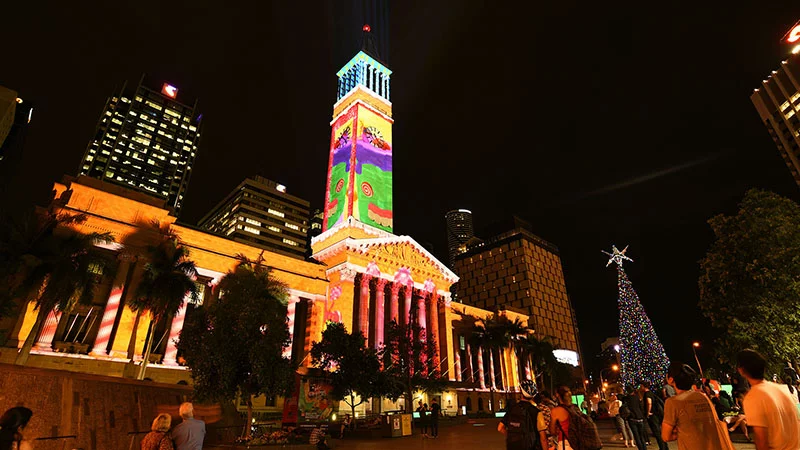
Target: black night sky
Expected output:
[600,122]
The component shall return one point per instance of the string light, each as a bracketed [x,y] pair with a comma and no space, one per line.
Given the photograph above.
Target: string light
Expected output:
[642,356]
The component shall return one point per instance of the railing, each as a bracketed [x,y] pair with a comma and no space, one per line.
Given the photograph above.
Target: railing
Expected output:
[64,440]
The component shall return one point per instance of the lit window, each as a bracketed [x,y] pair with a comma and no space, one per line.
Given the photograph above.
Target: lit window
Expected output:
[252,222]
[790,114]
[153,105]
[784,106]
[252,230]
[292,226]
[274,228]
[290,242]
[275,213]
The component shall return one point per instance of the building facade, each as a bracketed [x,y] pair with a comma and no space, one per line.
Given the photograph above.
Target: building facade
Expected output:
[261,213]
[459,231]
[521,271]
[15,119]
[146,139]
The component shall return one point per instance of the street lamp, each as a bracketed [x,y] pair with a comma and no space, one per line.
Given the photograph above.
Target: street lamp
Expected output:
[602,381]
[695,346]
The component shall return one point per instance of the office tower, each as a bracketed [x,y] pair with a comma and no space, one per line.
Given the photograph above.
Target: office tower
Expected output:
[459,231]
[15,117]
[261,213]
[777,101]
[518,269]
[146,139]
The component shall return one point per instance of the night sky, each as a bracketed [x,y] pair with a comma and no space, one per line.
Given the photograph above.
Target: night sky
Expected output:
[600,122]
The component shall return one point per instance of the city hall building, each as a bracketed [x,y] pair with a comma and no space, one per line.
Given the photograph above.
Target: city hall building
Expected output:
[360,274]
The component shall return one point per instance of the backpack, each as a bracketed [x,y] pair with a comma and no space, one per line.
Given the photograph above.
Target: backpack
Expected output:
[520,422]
[582,431]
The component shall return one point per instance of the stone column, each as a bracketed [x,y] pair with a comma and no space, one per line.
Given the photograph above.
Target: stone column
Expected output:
[363,306]
[422,316]
[409,299]
[480,368]
[44,342]
[380,294]
[457,363]
[469,365]
[103,337]
[491,368]
[394,306]
[434,334]
[291,309]
[171,353]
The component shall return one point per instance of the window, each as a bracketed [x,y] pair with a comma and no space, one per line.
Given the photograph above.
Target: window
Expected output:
[462,343]
[292,226]
[274,228]
[252,230]
[276,213]
[253,222]
[290,242]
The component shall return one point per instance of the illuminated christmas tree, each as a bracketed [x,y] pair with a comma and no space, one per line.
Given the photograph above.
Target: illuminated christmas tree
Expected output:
[642,357]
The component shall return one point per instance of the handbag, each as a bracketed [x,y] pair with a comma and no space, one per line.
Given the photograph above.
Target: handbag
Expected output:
[722,429]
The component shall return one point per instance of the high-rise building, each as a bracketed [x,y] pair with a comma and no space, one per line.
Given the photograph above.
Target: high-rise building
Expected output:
[777,101]
[261,213]
[520,270]
[15,117]
[459,231]
[146,139]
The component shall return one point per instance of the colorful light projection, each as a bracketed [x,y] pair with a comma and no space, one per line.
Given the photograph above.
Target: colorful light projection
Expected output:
[360,170]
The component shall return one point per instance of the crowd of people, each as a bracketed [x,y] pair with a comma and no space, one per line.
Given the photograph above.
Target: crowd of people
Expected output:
[696,414]
[187,435]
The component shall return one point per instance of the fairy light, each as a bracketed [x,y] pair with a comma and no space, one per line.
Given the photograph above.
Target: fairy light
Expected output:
[642,357]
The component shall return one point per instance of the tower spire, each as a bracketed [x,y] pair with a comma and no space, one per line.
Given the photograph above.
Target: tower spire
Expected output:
[368,44]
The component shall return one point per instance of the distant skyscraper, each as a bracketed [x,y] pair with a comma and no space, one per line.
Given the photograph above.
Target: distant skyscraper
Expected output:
[259,212]
[777,101]
[146,140]
[459,231]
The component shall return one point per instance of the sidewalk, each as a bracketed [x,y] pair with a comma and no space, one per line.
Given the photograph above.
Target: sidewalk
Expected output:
[481,434]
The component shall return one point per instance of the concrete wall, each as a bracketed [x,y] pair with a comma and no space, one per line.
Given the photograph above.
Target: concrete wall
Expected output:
[100,410]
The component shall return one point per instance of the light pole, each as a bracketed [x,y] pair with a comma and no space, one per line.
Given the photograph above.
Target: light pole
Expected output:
[603,383]
[695,346]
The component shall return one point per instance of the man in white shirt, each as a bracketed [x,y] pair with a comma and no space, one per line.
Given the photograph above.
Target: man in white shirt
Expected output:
[768,407]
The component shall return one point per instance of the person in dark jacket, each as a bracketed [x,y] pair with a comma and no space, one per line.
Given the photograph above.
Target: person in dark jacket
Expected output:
[636,419]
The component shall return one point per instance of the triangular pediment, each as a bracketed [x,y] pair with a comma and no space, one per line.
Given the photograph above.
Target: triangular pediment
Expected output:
[403,251]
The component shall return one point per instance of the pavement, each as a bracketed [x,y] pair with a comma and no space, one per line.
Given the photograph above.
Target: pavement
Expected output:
[482,434]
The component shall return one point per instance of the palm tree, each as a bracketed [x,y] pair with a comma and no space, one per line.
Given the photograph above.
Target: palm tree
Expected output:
[45,260]
[169,276]
[539,352]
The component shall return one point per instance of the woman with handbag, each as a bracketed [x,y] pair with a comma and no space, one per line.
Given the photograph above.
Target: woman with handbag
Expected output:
[158,438]
[689,416]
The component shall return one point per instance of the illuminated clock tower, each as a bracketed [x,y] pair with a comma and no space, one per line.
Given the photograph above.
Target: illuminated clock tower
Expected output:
[360,166]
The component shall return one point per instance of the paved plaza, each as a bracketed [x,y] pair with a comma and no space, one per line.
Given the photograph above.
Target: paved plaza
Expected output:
[480,434]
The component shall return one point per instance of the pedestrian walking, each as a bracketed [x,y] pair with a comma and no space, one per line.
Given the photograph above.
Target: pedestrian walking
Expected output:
[12,424]
[635,419]
[614,405]
[158,438]
[544,401]
[436,411]
[520,423]
[770,409]
[653,412]
[189,434]
[422,409]
[689,416]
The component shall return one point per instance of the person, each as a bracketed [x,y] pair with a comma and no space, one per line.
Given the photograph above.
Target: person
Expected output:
[770,409]
[158,438]
[436,411]
[667,391]
[12,424]
[653,413]
[318,439]
[346,424]
[621,424]
[635,419]
[520,423]
[688,416]
[422,409]
[544,401]
[189,434]
[585,406]
[560,417]
[789,382]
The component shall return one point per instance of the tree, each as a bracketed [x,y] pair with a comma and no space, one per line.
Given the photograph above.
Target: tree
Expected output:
[540,354]
[642,356]
[408,363]
[45,260]
[355,371]
[235,346]
[749,283]
[168,279]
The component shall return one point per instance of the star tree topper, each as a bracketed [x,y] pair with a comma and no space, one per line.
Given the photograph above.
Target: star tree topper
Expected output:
[617,256]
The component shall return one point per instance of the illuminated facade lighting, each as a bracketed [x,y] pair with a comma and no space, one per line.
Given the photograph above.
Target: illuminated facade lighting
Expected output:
[146,140]
[459,232]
